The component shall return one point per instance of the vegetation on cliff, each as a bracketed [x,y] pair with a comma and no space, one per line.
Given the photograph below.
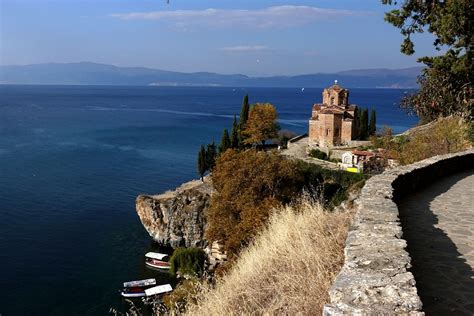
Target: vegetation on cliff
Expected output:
[443,136]
[187,261]
[287,269]
[250,184]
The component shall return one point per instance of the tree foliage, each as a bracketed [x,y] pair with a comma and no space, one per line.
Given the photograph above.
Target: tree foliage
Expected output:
[234,138]
[211,155]
[372,123]
[261,125]
[363,124]
[446,84]
[188,261]
[244,112]
[225,142]
[248,185]
[202,162]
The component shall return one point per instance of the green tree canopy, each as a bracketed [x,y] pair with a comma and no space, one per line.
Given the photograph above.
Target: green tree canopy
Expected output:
[211,154]
[234,138]
[225,141]
[244,112]
[201,163]
[262,124]
[363,124]
[446,84]
[372,123]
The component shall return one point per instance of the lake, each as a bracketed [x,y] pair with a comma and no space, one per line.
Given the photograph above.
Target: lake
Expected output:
[74,158]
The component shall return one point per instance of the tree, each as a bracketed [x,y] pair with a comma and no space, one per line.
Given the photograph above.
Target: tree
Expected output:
[248,186]
[244,112]
[363,124]
[234,139]
[372,124]
[202,165]
[446,84]
[261,125]
[225,142]
[211,154]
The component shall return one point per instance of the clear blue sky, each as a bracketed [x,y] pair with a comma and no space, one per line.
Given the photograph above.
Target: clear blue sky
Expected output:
[255,37]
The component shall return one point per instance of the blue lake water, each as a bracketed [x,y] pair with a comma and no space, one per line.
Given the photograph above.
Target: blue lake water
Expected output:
[74,158]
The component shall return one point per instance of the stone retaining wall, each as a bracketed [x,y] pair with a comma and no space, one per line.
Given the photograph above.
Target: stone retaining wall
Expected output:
[375,277]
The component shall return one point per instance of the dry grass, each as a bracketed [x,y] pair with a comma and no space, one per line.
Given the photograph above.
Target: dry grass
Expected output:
[287,270]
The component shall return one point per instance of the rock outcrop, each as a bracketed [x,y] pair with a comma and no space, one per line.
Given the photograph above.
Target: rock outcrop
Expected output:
[177,218]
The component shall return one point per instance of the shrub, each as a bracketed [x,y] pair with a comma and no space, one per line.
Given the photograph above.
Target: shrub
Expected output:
[287,270]
[187,261]
[316,153]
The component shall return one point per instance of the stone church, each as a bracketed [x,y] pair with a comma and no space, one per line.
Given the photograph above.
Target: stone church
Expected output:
[333,122]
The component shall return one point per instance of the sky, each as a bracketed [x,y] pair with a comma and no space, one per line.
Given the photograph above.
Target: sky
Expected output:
[253,37]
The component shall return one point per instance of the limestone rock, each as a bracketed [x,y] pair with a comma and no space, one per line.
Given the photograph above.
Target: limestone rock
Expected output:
[177,218]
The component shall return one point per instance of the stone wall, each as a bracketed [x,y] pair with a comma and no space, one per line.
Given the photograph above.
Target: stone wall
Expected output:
[375,278]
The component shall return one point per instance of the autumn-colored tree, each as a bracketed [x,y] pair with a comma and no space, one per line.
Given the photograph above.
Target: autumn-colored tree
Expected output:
[261,125]
[248,185]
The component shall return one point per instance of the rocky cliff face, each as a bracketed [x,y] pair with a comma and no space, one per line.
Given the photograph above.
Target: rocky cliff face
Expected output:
[177,218]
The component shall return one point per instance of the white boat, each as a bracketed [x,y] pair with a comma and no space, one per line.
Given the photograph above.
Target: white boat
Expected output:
[157,260]
[140,283]
[136,288]
[157,290]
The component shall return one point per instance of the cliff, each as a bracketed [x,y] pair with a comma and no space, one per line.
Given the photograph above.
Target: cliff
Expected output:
[177,218]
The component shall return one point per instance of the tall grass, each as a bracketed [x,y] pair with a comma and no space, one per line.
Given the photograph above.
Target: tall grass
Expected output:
[288,269]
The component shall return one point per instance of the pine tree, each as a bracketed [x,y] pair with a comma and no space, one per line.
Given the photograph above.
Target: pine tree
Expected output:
[234,139]
[372,126]
[211,154]
[202,165]
[225,142]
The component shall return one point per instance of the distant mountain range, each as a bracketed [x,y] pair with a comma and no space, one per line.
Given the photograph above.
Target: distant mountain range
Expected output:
[86,73]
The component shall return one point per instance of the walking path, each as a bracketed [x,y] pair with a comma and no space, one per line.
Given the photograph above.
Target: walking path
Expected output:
[438,224]
[297,150]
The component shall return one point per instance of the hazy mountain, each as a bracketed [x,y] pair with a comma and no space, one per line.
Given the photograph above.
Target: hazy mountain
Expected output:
[86,73]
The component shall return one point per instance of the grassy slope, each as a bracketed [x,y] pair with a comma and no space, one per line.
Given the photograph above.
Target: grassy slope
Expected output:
[287,270]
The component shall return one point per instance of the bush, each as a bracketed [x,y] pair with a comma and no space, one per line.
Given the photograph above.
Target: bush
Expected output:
[316,153]
[188,261]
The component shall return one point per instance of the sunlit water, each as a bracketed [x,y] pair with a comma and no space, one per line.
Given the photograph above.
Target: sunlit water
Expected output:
[74,158]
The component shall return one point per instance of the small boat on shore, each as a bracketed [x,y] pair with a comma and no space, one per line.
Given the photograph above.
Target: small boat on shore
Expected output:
[158,290]
[157,260]
[137,288]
